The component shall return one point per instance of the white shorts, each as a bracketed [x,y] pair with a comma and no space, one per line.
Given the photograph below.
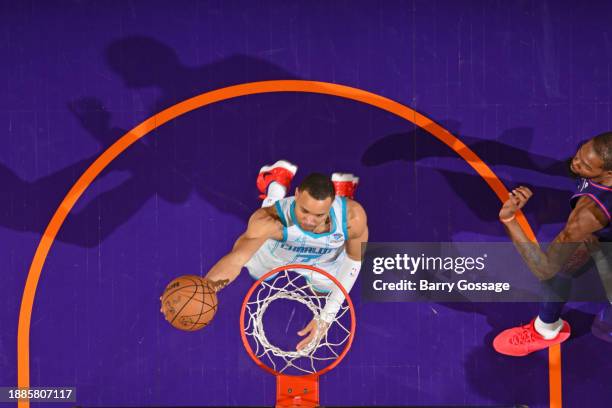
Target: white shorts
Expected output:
[318,281]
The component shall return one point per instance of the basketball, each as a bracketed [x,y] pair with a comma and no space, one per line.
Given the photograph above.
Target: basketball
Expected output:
[189,303]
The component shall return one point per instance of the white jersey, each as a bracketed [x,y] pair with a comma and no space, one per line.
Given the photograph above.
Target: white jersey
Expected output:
[297,246]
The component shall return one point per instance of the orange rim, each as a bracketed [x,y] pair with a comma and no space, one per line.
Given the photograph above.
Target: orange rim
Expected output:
[245,341]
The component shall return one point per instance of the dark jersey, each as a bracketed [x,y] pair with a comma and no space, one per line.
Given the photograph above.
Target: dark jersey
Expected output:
[602,196]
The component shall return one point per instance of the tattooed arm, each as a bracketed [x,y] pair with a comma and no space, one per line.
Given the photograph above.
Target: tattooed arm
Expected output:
[585,219]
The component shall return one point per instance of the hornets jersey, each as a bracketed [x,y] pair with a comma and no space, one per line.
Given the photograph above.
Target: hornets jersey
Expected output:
[298,246]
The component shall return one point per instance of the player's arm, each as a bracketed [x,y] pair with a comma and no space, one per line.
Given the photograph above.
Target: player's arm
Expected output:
[585,219]
[262,226]
[357,228]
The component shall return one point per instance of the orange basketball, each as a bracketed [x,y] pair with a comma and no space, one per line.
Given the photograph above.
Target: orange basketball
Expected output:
[189,303]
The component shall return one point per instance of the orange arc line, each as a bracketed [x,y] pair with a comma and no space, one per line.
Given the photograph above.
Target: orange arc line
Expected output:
[157,120]
[554,376]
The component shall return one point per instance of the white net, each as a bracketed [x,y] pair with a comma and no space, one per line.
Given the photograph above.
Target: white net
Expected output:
[325,347]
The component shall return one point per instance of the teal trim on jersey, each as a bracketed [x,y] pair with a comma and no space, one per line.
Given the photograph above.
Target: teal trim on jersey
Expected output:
[284,234]
[271,250]
[344,218]
[312,234]
[279,211]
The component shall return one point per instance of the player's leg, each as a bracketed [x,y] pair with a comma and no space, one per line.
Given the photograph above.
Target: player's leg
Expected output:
[602,324]
[556,292]
[345,184]
[274,180]
[547,328]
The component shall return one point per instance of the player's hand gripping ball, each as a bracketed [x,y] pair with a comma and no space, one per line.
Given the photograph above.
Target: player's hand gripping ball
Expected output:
[189,302]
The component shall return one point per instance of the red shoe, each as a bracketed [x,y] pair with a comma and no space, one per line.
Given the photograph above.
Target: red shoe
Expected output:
[522,340]
[345,184]
[282,172]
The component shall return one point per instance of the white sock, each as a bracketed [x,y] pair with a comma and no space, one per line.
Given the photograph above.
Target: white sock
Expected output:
[276,191]
[548,330]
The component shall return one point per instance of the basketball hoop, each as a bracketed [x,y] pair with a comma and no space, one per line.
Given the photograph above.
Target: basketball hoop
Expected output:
[297,372]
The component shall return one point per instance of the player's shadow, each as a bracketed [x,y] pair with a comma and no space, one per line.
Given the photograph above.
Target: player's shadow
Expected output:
[484,362]
[172,162]
[213,152]
[508,156]
[517,379]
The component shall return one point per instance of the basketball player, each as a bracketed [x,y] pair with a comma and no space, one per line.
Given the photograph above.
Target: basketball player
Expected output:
[588,223]
[321,226]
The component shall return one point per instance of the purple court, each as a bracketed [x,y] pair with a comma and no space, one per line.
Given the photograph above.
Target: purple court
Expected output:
[520,83]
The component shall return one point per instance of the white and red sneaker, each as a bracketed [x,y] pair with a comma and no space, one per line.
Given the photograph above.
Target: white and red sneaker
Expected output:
[522,340]
[345,184]
[281,172]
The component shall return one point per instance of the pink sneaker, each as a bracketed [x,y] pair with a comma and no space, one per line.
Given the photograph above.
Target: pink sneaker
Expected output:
[345,184]
[522,340]
[282,172]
